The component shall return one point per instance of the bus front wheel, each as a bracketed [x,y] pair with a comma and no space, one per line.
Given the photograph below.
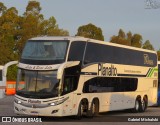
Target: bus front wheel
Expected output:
[80,111]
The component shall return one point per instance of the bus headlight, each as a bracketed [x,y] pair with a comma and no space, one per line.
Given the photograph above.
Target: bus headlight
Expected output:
[17,101]
[58,102]
[53,104]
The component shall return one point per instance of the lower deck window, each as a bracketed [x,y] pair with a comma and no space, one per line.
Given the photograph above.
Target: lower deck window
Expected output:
[110,84]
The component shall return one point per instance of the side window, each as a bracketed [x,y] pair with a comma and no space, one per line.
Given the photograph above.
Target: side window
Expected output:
[90,86]
[110,84]
[76,51]
[98,53]
[92,53]
[69,84]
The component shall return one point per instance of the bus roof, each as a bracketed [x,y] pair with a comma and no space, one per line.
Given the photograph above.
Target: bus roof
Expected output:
[89,40]
[59,38]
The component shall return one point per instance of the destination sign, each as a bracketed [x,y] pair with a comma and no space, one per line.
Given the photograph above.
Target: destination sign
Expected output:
[38,67]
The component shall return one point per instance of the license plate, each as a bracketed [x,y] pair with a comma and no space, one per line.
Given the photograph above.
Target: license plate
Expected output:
[34,113]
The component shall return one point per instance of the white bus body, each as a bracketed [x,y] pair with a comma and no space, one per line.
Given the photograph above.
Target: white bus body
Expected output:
[66,76]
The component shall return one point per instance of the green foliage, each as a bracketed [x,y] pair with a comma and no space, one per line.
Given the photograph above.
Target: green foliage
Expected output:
[136,40]
[8,34]
[121,34]
[2,8]
[129,39]
[158,54]
[148,45]
[33,8]
[50,28]
[119,40]
[12,73]
[122,38]
[90,31]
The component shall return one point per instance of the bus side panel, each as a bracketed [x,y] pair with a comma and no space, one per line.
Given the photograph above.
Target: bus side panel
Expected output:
[148,86]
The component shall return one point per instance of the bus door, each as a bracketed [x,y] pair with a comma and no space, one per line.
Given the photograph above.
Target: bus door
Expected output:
[69,84]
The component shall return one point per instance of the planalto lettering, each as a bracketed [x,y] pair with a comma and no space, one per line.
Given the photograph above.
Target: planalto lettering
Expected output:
[107,71]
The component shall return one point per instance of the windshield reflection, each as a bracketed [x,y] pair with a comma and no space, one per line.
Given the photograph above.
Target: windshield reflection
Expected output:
[45,50]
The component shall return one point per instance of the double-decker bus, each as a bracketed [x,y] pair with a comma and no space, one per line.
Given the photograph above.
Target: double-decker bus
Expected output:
[66,76]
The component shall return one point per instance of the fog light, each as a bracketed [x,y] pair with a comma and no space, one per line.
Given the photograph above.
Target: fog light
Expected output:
[16,108]
[54,111]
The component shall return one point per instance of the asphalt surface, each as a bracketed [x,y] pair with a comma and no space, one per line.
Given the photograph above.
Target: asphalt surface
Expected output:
[111,118]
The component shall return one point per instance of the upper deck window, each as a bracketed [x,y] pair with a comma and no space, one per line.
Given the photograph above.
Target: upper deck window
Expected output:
[76,51]
[52,50]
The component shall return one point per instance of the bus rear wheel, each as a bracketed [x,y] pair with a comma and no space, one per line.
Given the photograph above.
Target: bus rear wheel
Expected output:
[137,106]
[144,104]
[94,110]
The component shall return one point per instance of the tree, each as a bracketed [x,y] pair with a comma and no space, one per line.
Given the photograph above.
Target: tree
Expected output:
[120,38]
[90,31]
[8,34]
[50,28]
[148,45]
[33,8]
[129,37]
[11,73]
[121,34]
[2,8]
[136,40]
[158,54]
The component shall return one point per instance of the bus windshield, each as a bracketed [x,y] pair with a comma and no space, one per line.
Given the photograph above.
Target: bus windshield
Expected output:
[37,84]
[45,50]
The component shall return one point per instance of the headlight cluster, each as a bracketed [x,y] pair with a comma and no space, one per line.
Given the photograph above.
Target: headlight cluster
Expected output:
[17,101]
[58,102]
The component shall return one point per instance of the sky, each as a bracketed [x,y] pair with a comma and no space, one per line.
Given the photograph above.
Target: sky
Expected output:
[109,15]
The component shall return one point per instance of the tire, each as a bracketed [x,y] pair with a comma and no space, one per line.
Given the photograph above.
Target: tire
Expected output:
[137,106]
[80,111]
[94,111]
[144,104]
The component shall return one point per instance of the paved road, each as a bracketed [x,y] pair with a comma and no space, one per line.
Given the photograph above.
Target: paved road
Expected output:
[6,109]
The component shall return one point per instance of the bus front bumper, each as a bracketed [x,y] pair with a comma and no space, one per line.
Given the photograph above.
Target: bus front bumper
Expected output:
[33,111]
